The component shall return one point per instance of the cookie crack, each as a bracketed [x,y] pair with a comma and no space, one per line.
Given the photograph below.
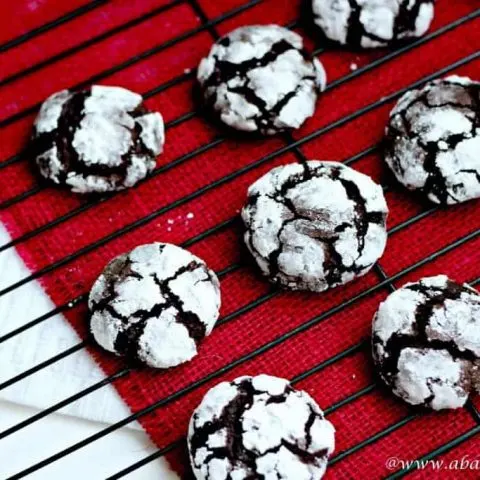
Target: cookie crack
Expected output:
[476,173]
[406,18]
[356,29]
[435,297]
[281,197]
[128,339]
[195,327]
[266,119]
[120,269]
[226,71]
[231,414]
[435,183]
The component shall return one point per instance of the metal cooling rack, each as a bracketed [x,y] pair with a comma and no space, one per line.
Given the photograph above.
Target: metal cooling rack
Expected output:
[291,145]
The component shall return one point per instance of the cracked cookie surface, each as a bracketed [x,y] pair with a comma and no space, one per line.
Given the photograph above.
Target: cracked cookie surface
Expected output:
[372,23]
[97,140]
[154,305]
[260,79]
[426,342]
[316,225]
[433,140]
[259,427]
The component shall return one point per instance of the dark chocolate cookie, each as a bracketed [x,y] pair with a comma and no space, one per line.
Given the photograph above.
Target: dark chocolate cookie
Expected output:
[315,226]
[433,140]
[426,342]
[259,428]
[155,305]
[372,23]
[259,79]
[97,140]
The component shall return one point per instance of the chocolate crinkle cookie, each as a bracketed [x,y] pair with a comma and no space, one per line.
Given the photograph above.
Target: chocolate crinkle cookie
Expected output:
[316,225]
[154,305]
[97,140]
[372,23]
[259,428]
[259,79]
[426,342]
[433,140]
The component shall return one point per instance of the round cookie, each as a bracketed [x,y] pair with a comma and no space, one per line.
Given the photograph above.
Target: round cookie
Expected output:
[426,342]
[259,79]
[433,140]
[372,23]
[314,226]
[259,427]
[97,140]
[154,305]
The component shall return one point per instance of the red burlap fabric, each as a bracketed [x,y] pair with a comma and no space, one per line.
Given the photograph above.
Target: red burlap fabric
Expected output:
[249,330]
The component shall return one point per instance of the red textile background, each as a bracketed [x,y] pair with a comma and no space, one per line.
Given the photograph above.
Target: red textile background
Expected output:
[250,329]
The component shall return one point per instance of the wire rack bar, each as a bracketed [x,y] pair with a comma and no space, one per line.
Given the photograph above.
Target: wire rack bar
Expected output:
[227,178]
[50,25]
[137,58]
[473,411]
[374,438]
[150,458]
[60,309]
[35,418]
[253,354]
[124,372]
[90,42]
[336,83]
[42,365]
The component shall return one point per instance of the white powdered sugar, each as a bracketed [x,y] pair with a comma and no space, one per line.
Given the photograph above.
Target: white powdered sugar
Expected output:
[426,342]
[258,78]
[154,304]
[430,374]
[50,111]
[104,133]
[315,226]
[153,132]
[433,140]
[372,23]
[259,426]
[98,140]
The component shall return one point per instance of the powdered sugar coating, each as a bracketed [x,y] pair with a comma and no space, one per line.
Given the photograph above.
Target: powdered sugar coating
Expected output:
[97,140]
[372,23]
[426,342]
[433,140]
[259,78]
[315,226]
[154,304]
[259,427]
